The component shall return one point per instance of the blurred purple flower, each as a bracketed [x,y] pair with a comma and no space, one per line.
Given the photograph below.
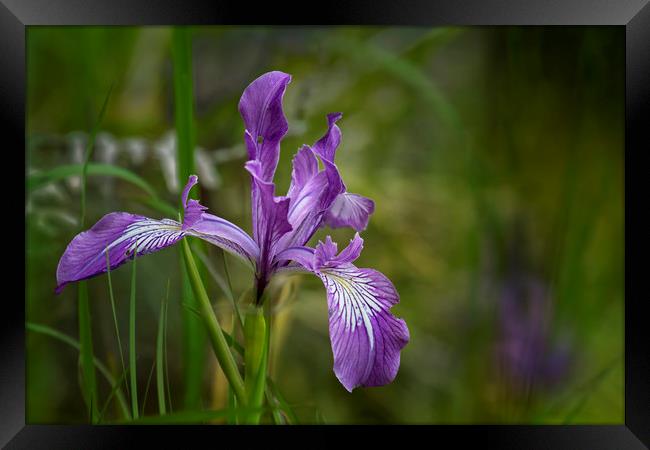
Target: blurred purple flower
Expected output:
[525,349]
[366,338]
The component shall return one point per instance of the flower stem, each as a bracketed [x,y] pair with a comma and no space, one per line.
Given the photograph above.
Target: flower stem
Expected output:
[217,339]
[256,359]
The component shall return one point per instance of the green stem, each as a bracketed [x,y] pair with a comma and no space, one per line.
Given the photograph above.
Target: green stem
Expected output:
[256,359]
[217,338]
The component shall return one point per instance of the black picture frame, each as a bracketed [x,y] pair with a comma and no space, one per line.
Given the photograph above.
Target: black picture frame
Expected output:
[634,15]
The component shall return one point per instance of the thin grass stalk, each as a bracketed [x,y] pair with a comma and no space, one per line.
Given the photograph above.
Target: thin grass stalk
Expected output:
[113,309]
[86,352]
[146,389]
[51,332]
[160,376]
[132,350]
[167,388]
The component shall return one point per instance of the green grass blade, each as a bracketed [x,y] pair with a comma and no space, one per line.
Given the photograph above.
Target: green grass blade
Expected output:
[232,342]
[160,377]
[232,406]
[86,353]
[89,152]
[278,418]
[38,180]
[283,404]
[373,56]
[146,389]
[132,350]
[160,206]
[169,392]
[51,332]
[183,101]
[117,328]
[590,388]
[114,390]
[194,336]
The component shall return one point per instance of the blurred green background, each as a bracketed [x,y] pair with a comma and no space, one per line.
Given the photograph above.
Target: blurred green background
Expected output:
[494,156]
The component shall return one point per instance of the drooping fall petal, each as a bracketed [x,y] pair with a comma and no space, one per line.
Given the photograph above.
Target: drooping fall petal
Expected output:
[366,337]
[121,235]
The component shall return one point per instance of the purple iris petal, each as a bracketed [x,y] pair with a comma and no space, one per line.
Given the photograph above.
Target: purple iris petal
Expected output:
[193,209]
[304,256]
[349,210]
[366,338]
[344,209]
[226,235]
[121,234]
[312,192]
[326,146]
[306,194]
[261,109]
[271,213]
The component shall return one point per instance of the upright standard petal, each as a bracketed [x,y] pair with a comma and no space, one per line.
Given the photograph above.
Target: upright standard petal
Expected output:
[270,221]
[192,208]
[306,199]
[366,338]
[261,109]
[312,192]
[121,235]
[344,209]
[349,210]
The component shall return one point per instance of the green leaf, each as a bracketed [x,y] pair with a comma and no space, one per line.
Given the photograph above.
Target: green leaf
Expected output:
[86,353]
[59,173]
[217,339]
[284,405]
[89,152]
[193,336]
[256,335]
[51,332]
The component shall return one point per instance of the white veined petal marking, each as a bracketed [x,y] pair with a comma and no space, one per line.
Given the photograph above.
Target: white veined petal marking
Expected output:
[354,297]
[149,235]
[145,235]
[354,302]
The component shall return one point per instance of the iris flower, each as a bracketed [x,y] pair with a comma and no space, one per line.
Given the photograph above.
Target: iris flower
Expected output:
[366,338]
